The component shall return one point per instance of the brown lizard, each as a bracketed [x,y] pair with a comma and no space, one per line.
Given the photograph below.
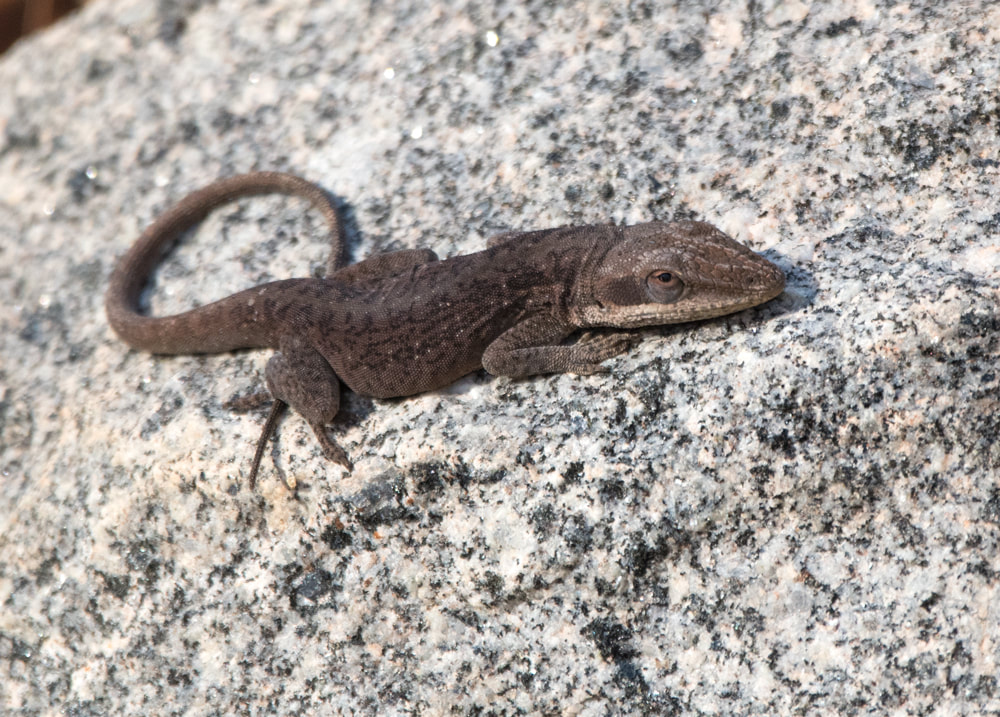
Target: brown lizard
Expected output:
[405,322]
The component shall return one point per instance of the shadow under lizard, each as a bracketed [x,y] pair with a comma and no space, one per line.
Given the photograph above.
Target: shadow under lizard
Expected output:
[405,322]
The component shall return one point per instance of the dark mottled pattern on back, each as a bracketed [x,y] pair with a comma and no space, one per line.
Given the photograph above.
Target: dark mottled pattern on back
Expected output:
[425,328]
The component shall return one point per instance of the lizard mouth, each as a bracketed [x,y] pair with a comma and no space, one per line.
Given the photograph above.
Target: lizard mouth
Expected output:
[694,306]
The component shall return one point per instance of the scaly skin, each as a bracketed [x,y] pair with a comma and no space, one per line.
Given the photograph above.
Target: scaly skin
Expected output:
[402,323]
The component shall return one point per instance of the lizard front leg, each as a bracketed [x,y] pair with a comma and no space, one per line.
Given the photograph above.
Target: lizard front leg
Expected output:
[533,346]
[300,377]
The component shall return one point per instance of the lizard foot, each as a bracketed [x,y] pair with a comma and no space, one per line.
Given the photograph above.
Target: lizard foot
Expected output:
[330,448]
[249,402]
[593,348]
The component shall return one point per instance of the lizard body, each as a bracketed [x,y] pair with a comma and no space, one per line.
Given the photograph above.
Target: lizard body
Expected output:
[405,322]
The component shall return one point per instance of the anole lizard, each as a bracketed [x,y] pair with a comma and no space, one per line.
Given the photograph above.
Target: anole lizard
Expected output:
[405,322]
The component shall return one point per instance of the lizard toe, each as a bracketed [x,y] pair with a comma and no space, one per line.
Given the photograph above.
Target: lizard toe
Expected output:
[247,402]
[330,448]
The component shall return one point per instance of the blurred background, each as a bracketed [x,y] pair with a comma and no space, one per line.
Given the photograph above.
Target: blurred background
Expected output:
[20,17]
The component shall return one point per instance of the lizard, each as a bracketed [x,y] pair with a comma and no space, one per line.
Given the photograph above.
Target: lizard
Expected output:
[405,322]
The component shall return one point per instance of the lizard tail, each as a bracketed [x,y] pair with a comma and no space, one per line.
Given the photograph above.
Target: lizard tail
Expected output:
[221,326]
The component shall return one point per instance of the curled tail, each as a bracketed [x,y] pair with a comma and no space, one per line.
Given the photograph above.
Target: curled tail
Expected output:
[224,325]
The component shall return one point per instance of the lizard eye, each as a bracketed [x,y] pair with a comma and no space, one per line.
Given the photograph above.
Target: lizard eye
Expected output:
[664,287]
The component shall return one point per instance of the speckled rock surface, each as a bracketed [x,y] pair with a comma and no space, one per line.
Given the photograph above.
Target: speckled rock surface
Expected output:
[790,511]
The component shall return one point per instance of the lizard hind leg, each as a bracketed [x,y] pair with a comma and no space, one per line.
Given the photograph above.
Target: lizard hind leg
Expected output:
[299,376]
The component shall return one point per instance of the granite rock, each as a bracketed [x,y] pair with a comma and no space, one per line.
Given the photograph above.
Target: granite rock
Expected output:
[793,510]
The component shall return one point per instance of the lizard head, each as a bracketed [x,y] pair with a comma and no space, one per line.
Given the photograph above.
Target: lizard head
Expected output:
[666,273]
